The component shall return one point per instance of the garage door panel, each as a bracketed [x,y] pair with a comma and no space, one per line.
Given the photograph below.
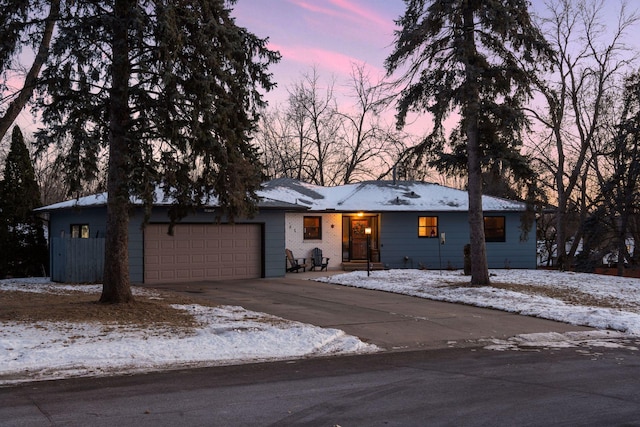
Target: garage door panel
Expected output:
[182,244]
[197,244]
[202,252]
[167,244]
[167,259]
[226,244]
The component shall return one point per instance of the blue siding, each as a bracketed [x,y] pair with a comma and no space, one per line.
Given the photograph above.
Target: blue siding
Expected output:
[513,253]
[66,263]
[60,221]
[400,246]
[272,223]
[136,249]
[274,243]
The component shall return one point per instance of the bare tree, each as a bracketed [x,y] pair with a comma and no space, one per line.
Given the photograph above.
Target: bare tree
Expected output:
[314,113]
[278,149]
[370,147]
[314,139]
[619,185]
[589,62]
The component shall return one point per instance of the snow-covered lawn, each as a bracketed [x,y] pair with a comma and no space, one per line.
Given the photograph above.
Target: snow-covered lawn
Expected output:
[233,335]
[603,302]
[225,335]
[608,303]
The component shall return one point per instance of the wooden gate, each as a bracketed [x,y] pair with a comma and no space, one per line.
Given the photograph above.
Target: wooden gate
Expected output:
[77,260]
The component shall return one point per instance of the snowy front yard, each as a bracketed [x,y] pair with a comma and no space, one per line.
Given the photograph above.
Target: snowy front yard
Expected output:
[37,350]
[603,302]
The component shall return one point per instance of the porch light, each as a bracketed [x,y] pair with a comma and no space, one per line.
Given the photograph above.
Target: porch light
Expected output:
[360,214]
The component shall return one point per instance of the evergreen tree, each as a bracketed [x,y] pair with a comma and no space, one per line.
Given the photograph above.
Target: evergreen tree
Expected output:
[23,249]
[476,57]
[170,92]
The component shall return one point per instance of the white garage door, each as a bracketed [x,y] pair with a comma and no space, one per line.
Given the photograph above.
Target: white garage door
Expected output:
[202,252]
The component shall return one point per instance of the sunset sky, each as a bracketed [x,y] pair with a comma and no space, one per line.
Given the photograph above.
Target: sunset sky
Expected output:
[327,34]
[330,35]
[333,34]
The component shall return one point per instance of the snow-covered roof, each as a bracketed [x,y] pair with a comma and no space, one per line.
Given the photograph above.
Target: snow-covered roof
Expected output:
[380,196]
[161,199]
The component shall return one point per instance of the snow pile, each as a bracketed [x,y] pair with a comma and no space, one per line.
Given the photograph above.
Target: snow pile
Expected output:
[555,340]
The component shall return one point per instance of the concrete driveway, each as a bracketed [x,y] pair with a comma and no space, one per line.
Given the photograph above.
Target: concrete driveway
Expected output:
[393,322]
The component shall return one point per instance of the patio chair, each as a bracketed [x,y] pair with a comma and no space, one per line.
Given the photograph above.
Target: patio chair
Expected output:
[295,264]
[317,260]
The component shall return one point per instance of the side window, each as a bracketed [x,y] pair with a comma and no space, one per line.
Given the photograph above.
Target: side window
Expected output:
[494,229]
[80,231]
[428,226]
[312,227]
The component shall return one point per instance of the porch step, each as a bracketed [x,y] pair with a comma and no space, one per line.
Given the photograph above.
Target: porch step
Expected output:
[361,266]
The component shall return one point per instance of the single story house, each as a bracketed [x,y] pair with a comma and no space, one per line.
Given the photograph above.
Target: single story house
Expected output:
[411,225]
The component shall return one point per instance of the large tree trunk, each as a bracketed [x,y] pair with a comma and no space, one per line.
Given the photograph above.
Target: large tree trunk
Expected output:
[479,266]
[116,286]
[17,105]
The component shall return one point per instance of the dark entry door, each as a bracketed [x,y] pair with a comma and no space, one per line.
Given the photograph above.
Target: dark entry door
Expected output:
[359,238]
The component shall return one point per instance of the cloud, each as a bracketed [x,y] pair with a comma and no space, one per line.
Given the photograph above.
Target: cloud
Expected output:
[315,8]
[332,61]
[365,13]
[348,10]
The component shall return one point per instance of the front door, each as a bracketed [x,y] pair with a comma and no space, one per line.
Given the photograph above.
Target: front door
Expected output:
[358,237]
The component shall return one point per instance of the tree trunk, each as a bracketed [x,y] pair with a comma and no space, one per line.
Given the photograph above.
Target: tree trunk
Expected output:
[479,267]
[116,287]
[561,211]
[17,105]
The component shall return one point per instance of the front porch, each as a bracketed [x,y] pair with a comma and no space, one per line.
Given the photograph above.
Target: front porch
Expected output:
[361,266]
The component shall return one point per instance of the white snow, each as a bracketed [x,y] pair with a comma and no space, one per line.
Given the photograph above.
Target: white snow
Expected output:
[380,196]
[369,196]
[228,335]
[618,325]
[233,335]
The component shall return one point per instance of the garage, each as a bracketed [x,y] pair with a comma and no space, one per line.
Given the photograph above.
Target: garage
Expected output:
[199,252]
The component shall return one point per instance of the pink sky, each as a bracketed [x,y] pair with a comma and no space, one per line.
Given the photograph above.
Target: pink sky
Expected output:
[328,34]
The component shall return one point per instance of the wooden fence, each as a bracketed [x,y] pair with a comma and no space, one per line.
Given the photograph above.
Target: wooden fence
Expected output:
[77,260]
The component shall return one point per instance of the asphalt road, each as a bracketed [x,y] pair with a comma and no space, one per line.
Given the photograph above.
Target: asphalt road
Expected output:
[461,387]
[434,372]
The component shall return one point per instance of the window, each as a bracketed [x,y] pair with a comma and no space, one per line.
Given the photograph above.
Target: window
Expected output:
[312,227]
[80,231]
[428,226]
[494,230]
